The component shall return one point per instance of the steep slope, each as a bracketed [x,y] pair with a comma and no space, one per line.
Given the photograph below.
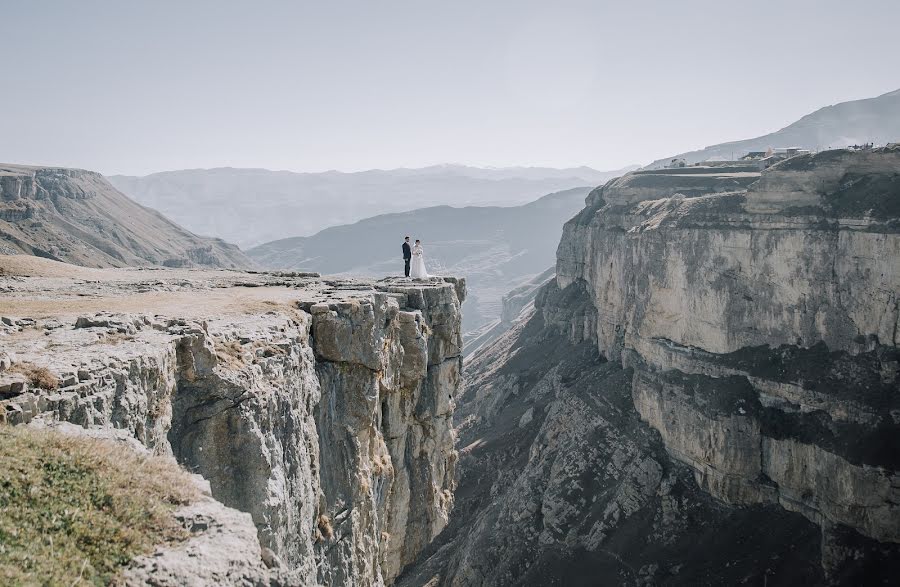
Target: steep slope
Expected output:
[75,216]
[516,307]
[848,123]
[322,408]
[706,394]
[496,248]
[253,206]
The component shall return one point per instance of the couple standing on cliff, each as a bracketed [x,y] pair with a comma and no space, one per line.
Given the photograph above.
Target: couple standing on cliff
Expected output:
[414,260]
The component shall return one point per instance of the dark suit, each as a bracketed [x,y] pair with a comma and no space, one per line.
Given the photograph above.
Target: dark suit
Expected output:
[407,255]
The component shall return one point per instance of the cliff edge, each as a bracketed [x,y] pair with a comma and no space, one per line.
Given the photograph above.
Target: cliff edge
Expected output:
[320,407]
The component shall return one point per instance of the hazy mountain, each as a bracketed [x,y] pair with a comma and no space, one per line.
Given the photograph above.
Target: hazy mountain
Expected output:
[848,123]
[76,216]
[495,248]
[251,206]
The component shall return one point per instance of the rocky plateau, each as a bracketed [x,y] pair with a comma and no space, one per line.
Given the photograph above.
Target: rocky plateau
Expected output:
[318,411]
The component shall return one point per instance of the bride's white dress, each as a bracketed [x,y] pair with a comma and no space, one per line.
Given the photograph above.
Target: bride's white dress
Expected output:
[417,266]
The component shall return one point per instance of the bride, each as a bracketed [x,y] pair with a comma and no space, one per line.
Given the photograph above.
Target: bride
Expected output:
[417,269]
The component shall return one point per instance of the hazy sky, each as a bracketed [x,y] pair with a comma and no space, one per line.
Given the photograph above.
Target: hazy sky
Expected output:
[135,87]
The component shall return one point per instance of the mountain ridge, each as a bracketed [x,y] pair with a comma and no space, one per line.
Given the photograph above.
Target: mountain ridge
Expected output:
[875,119]
[254,206]
[76,216]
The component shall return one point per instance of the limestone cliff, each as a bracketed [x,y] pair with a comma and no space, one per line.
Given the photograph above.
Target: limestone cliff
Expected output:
[708,393]
[322,408]
[789,292]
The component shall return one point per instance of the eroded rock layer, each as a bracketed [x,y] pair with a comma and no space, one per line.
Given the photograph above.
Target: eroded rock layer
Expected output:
[709,393]
[763,329]
[321,408]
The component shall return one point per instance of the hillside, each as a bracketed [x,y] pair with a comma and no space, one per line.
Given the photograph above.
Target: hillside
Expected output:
[76,216]
[496,248]
[253,206]
[848,123]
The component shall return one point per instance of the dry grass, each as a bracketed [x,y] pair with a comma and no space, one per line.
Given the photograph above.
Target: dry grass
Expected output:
[38,376]
[116,338]
[234,354]
[74,510]
[381,464]
[325,527]
[230,352]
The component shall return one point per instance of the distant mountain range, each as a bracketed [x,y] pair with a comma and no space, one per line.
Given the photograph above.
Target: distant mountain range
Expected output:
[76,216]
[495,248]
[848,123]
[252,206]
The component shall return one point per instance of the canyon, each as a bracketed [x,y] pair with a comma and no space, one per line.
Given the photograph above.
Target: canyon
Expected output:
[707,392]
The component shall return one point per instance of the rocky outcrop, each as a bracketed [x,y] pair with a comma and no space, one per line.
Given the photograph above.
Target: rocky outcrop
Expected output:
[711,380]
[222,549]
[704,296]
[76,216]
[323,409]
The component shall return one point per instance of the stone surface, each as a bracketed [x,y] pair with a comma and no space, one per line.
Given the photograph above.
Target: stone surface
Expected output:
[222,550]
[707,393]
[321,408]
[689,291]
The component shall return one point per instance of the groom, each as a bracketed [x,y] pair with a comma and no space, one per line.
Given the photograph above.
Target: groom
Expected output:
[407,255]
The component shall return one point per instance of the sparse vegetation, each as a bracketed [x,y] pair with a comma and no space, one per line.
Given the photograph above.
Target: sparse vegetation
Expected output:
[116,338]
[229,352]
[74,510]
[325,527]
[38,376]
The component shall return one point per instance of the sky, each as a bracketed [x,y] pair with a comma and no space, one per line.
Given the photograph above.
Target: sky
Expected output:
[136,87]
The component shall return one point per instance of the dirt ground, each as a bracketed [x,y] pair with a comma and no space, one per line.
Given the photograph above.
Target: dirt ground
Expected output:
[40,288]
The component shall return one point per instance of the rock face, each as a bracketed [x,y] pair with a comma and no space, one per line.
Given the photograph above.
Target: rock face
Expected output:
[222,550]
[707,394]
[802,272]
[76,216]
[321,408]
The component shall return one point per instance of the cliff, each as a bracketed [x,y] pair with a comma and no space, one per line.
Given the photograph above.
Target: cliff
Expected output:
[320,407]
[707,393]
[789,290]
[76,216]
